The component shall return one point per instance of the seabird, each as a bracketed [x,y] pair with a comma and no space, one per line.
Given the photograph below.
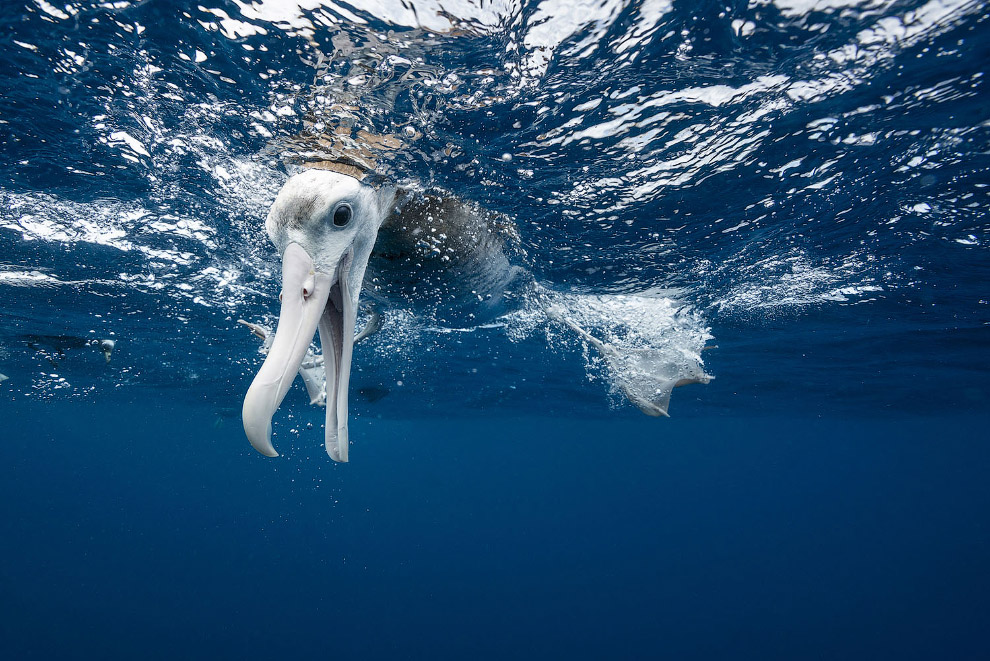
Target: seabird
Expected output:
[53,347]
[339,235]
[107,346]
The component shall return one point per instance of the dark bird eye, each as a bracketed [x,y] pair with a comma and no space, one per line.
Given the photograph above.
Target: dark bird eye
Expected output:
[342,215]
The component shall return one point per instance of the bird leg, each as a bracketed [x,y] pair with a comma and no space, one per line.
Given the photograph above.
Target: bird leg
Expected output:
[645,377]
[373,326]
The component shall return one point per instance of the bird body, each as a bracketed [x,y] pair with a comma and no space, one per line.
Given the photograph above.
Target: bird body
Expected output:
[339,236]
[444,255]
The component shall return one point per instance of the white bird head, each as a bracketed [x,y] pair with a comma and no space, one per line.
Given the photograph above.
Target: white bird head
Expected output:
[324,224]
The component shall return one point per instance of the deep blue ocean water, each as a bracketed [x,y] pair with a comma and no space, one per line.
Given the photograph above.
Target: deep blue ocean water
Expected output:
[794,192]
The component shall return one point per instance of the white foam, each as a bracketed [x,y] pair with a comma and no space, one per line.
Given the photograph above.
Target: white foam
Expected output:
[190,273]
[644,345]
[793,280]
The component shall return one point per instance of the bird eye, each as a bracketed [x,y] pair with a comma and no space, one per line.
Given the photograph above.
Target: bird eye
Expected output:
[342,215]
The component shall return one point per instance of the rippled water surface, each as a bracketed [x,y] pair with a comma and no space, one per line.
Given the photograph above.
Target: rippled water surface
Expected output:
[793,192]
[804,177]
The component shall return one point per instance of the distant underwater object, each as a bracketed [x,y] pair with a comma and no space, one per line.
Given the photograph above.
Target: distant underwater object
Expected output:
[3,377]
[107,346]
[373,393]
[53,347]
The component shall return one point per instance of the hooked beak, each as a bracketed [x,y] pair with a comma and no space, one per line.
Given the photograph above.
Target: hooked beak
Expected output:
[304,297]
[310,299]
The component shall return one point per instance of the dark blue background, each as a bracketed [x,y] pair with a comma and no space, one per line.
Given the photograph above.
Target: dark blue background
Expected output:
[143,530]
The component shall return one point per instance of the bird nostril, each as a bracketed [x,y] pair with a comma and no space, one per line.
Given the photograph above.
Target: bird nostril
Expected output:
[309,285]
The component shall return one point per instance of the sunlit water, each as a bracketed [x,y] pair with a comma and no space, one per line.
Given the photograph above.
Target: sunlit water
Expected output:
[792,192]
[759,165]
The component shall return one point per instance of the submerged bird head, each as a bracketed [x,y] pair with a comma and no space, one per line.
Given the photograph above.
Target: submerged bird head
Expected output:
[324,224]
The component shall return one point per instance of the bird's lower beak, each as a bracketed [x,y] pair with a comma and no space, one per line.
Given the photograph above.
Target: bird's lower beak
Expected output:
[337,341]
[304,298]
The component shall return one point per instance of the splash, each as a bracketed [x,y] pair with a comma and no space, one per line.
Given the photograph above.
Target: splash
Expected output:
[648,344]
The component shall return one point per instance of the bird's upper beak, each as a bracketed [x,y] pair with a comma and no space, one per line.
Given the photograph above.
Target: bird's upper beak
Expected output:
[311,298]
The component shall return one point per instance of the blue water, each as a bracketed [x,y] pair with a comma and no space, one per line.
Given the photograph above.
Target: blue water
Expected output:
[793,192]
